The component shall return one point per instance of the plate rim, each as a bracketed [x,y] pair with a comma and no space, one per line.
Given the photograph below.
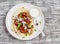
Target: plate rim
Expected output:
[6,22]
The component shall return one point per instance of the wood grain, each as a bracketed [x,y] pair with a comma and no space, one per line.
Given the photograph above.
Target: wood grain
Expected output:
[51,11]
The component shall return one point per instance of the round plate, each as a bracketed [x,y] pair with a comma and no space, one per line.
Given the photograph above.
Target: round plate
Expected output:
[9,21]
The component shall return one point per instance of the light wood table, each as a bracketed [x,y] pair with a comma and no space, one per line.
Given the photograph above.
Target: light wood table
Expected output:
[51,11]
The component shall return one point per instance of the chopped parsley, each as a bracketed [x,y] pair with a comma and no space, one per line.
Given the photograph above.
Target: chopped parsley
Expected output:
[26,34]
[40,22]
[19,25]
[35,30]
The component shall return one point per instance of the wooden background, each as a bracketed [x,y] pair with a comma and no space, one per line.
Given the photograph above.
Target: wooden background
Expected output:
[51,11]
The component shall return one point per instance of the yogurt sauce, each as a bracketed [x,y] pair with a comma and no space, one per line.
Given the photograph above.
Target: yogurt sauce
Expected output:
[34,12]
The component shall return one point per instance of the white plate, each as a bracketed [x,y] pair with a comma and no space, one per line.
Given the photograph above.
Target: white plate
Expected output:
[9,21]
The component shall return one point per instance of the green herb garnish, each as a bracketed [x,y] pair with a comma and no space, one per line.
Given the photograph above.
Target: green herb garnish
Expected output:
[40,22]
[35,30]
[26,34]
[19,25]
[20,14]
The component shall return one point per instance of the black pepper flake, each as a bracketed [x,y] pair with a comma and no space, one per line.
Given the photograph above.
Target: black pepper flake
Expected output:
[36,23]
